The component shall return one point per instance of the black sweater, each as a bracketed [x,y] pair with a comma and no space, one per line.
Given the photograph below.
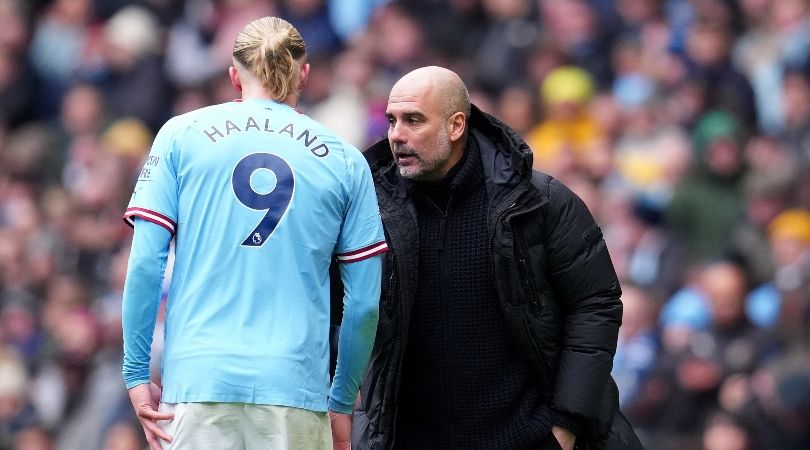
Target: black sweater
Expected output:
[463,382]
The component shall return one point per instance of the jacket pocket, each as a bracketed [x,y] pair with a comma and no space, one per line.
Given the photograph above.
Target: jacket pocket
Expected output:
[530,289]
[530,261]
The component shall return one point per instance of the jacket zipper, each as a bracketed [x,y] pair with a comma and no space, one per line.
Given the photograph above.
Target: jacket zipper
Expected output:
[389,295]
[396,375]
[402,322]
[402,327]
[376,438]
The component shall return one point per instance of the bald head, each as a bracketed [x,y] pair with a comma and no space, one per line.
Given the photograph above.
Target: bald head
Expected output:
[437,86]
[427,122]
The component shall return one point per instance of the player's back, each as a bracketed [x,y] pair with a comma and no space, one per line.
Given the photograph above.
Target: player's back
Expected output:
[261,194]
[258,183]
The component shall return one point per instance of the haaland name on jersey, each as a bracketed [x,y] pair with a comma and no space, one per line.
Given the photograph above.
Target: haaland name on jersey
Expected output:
[215,133]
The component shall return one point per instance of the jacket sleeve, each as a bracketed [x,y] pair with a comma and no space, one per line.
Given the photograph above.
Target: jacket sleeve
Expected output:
[587,289]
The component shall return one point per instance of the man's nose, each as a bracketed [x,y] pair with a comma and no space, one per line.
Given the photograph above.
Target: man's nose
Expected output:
[396,134]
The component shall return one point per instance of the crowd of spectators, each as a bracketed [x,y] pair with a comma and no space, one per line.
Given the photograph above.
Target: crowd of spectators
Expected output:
[683,124]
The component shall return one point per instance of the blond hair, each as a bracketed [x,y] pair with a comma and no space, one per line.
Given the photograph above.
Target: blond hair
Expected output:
[270,48]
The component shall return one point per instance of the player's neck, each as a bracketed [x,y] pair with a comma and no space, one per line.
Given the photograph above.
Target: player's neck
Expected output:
[260,94]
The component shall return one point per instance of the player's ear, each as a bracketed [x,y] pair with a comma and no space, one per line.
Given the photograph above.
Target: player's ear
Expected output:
[235,81]
[456,125]
[304,76]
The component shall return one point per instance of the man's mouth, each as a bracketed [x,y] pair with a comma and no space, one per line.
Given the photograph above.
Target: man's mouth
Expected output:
[405,158]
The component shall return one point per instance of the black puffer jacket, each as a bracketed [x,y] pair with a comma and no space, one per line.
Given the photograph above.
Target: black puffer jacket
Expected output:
[554,278]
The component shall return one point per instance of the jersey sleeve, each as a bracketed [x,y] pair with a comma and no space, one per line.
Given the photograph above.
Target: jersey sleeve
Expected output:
[361,235]
[361,296]
[142,290]
[155,195]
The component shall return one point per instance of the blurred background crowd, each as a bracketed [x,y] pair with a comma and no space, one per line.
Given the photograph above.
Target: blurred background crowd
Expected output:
[683,124]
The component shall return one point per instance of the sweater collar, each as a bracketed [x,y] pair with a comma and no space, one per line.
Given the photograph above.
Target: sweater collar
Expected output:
[462,179]
[459,175]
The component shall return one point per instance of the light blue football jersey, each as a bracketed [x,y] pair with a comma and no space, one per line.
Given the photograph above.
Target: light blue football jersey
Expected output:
[259,198]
